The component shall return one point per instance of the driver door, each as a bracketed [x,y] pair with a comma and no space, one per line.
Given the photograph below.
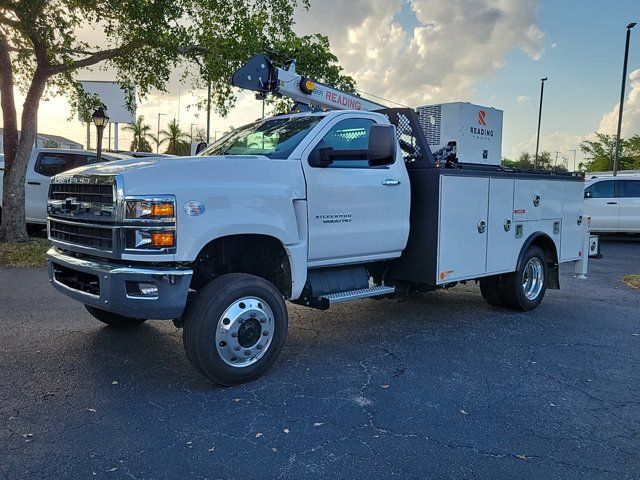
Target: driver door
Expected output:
[356,212]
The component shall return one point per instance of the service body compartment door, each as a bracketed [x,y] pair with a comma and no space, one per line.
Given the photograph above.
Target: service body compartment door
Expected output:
[524,207]
[502,246]
[462,228]
[572,233]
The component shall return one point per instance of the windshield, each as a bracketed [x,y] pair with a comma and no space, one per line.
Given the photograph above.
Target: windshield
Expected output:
[275,138]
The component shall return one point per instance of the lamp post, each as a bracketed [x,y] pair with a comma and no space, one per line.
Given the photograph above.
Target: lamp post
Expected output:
[542,80]
[158,132]
[624,84]
[100,120]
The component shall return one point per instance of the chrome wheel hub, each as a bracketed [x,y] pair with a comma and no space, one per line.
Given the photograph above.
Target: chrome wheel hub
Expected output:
[533,278]
[244,332]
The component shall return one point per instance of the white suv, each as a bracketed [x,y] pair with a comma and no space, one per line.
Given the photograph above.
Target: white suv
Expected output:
[613,203]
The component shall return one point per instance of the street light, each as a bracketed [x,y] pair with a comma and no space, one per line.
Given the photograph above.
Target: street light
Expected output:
[542,80]
[158,132]
[624,84]
[100,120]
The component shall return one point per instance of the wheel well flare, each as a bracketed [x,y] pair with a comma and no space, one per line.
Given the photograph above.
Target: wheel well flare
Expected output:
[259,255]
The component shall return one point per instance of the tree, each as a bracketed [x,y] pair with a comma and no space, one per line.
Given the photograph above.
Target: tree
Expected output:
[177,140]
[141,131]
[526,161]
[143,42]
[600,153]
[199,135]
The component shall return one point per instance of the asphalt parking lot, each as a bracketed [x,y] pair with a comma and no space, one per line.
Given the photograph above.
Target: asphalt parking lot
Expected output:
[442,386]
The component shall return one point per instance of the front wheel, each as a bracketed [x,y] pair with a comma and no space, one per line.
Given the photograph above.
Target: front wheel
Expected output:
[524,289]
[113,319]
[235,328]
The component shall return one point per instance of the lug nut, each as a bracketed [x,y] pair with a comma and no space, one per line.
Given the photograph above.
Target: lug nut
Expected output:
[237,349]
[259,347]
[253,315]
[234,334]
[262,320]
[247,353]
[265,333]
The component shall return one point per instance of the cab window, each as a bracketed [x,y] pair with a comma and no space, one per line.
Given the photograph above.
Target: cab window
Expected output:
[350,134]
[602,189]
[629,188]
[50,164]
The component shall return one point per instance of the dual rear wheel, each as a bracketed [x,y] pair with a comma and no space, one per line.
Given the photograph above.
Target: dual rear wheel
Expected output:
[523,289]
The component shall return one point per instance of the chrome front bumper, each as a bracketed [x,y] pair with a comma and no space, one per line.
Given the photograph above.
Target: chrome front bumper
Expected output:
[110,287]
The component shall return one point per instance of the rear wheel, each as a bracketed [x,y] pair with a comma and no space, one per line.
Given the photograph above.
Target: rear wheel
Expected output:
[524,289]
[235,328]
[113,319]
[490,289]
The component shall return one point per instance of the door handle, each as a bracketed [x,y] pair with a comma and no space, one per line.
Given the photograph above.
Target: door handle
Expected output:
[612,203]
[34,183]
[389,182]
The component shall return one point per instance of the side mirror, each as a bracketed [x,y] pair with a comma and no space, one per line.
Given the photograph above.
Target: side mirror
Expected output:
[320,157]
[382,145]
[200,147]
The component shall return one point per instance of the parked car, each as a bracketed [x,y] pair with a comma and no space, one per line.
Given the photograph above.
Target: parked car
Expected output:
[44,164]
[613,203]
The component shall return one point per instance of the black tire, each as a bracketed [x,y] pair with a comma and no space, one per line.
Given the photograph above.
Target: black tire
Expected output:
[513,293]
[113,319]
[491,290]
[203,320]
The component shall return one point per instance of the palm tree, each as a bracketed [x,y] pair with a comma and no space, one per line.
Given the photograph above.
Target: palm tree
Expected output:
[141,131]
[178,143]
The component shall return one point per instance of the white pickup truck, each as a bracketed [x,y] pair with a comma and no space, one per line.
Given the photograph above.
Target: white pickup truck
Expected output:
[44,163]
[313,208]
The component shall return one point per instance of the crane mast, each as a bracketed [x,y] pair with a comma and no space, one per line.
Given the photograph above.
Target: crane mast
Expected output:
[260,75]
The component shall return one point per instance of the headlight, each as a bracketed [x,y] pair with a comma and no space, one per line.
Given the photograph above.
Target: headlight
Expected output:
[151,208]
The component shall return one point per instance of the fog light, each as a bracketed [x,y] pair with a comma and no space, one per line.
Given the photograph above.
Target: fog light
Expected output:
[142,290]
[148,289]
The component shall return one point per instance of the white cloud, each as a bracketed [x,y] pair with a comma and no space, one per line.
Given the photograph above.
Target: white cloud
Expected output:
[523,99]
[452,45]
[630,113]
[455,43]
[554,45]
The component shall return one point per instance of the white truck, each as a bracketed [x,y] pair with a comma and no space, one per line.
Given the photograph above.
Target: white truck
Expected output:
[316,208]
[44,163]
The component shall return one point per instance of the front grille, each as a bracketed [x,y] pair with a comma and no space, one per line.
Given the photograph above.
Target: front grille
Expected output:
[84,235]
[83,192]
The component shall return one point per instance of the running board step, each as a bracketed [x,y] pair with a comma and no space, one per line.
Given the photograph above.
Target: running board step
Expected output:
[356,294]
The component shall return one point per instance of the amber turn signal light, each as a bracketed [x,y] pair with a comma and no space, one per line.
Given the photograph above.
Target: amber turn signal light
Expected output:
[163,239]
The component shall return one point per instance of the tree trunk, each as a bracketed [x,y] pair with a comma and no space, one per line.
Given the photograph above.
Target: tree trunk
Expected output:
[10,132]
[13,227]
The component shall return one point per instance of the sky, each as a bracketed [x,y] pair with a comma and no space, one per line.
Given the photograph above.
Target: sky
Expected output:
[489,52]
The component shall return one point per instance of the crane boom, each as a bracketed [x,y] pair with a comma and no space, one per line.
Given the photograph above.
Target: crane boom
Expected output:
[260,75]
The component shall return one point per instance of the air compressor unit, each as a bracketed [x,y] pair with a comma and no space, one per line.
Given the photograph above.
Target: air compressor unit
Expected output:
[476,130]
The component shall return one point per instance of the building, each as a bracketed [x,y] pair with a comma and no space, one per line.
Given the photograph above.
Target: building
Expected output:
[49,141]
